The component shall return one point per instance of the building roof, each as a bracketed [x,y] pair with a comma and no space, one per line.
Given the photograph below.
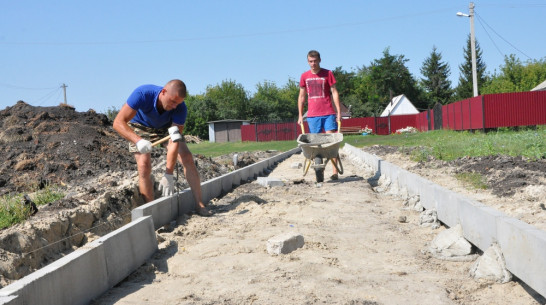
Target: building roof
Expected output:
[227,121]
[541,87]
[399,105]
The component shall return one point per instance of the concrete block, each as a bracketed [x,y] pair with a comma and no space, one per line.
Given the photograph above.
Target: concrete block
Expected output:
[246,174]
[74,279]
[227,182]
[259,167]
[523,248]
[296,165]
[163,210]
[479,223]
[89,271]
[211,189]
[8,300]
[447,206]
[137,238]
[390,170]
[284,243]
[427,195]
[415,184]
[269,181]
[186,202]
[236,177]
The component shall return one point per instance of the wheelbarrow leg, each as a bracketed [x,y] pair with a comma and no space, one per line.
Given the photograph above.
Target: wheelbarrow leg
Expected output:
[336,162]
[306,165]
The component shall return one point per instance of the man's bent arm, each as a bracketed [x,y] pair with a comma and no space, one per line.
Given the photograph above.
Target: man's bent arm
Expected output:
[123,117]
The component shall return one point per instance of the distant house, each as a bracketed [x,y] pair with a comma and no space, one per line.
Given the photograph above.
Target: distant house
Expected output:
[541,87]
[226,130]
[399,105]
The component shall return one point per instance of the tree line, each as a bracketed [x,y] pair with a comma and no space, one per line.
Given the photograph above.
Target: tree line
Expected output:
[366,90]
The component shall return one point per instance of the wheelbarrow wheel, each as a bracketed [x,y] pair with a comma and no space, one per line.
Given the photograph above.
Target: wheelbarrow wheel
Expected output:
[319,172]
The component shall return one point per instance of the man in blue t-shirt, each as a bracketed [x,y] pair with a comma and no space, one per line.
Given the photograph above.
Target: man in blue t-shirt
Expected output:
[150,110]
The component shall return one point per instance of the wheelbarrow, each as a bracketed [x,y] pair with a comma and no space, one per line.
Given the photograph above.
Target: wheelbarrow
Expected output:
[318,149]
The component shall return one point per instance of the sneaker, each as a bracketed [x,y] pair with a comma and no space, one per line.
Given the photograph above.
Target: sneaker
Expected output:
[203,212]
[334,177]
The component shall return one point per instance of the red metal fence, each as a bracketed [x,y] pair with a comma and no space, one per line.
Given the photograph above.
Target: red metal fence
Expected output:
[480,112]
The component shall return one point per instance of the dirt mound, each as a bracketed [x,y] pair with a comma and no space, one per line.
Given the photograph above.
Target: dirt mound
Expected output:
[56,145]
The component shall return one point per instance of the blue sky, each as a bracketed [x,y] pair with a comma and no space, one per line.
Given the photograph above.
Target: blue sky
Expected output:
[102,50]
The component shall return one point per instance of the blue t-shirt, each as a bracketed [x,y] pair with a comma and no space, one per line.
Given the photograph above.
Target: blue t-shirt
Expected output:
[144,101]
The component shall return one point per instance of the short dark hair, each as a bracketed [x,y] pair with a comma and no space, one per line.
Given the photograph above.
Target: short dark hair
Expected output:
[178,86]
[314,54]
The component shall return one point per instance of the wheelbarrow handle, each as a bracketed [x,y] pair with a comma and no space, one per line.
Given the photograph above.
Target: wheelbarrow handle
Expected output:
[338,126]
[302,128]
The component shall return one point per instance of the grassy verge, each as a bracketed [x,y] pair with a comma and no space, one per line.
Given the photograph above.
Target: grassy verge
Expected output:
[218,149]
[449,145]
[441,144]
[13,210]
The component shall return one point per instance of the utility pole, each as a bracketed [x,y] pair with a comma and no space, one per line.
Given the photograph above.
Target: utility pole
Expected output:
[64,90]
[472,46]
[473,49]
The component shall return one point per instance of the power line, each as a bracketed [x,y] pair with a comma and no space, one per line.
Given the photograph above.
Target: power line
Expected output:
[491,38]
[48,96]
[24,88]
[481,20]
[257,34]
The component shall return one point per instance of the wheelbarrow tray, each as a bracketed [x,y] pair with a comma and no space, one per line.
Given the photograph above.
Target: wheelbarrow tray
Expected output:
[325,145]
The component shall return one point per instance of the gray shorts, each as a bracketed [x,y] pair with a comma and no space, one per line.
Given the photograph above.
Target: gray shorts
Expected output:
[147,133]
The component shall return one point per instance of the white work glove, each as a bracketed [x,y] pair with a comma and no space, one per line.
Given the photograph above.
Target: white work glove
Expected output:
[144,146]
[166,185]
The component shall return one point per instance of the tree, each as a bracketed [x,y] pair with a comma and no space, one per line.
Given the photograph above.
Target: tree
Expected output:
[465,87]
[264,103]
[515,76]
[344,82]
[271,103]
[229,99]
[385,77]
[436,79]
[288,106]
[200,111]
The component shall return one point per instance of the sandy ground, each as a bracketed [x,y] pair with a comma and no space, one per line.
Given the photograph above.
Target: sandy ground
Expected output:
[357,251]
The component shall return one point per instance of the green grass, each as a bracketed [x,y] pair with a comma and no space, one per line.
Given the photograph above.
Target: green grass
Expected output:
[474,180]
[13,210]
[449,145]
[217,149]
[440,144]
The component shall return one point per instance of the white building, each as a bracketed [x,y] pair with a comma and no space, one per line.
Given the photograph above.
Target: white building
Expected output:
[400,105]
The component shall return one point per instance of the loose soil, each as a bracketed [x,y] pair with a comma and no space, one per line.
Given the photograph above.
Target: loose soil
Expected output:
[82,154]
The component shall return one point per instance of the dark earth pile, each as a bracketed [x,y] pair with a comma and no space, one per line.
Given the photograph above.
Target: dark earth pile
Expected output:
[57,145]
